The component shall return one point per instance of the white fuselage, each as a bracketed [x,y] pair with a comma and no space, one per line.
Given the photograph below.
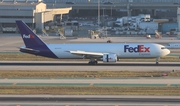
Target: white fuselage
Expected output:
[148,50]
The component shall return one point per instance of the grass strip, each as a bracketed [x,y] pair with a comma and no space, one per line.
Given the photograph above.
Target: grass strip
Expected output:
[175,91]
[83,74]
[28,57]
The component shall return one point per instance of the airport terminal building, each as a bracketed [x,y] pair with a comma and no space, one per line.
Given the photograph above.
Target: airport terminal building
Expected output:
[32,12]
[37,12]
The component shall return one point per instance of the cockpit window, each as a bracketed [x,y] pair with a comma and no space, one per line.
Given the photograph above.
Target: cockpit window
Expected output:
[163,48]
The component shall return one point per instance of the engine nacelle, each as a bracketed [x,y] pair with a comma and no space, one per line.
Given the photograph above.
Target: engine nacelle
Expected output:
[109,58]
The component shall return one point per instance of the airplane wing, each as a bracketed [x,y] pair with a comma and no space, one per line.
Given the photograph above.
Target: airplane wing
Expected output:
[86,54]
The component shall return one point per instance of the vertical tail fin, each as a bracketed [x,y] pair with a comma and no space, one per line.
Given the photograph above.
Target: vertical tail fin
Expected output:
[34,45]
[29,37]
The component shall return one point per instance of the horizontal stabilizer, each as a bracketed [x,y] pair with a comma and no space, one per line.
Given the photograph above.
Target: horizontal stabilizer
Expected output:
[29,50]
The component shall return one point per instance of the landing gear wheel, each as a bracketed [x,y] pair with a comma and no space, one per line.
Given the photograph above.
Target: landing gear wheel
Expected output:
[93,62]
[157,63]
[90,63]
[96,62]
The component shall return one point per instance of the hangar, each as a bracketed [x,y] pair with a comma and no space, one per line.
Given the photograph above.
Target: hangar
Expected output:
[33,12]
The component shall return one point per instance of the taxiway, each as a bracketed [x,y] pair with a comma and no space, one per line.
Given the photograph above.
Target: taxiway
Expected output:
[83,66]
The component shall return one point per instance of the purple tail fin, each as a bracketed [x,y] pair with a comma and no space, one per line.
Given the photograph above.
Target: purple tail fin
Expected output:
[29,37]
[34,45]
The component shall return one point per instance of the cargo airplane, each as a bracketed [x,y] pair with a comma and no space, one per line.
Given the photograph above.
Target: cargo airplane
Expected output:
[107,52]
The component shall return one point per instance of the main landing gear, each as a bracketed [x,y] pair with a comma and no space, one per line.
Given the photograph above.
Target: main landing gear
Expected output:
[93,62]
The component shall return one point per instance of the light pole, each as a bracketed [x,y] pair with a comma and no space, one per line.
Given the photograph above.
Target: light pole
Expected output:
[55,3]
[112,7]
[103,17]
[53,6]
[103,12]
[98,14]
[111,11]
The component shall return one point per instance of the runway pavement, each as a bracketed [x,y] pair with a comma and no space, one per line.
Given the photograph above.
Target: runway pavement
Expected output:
[136,82]
[85,63]
[90,100]
[83,66]
[84,104]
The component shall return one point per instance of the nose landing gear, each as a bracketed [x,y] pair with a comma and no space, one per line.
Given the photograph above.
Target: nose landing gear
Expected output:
[157,60]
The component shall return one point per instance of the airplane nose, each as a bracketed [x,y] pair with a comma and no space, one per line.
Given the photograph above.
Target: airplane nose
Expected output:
[166,52]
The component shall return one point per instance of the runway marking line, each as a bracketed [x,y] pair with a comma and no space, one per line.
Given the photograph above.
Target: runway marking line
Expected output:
[142,78]
[168,85]
[91,84]
[14,83]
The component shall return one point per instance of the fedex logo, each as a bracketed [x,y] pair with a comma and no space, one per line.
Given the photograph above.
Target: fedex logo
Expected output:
[139,48]
[28,36]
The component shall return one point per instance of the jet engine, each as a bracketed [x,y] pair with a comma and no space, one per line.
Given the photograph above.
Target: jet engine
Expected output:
[109,58]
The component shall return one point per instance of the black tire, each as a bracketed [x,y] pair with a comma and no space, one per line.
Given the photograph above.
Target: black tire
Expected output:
[90,63]
[157,63]
[93,63]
